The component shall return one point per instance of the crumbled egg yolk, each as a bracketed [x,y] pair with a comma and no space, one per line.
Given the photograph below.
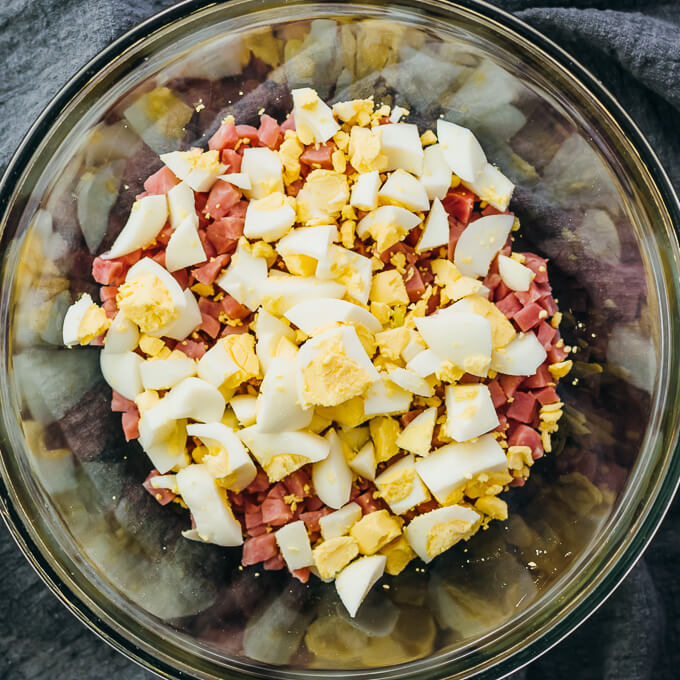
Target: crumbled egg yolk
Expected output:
[198,159]
[389,288]
[365,150]
[502,331]
[384,432]
[386,234]
[289,152]
[492,506]
[393,341]
[93,324]
[375,531]
[428,137]
[560,369]
[332,555]
[332,377]
[147,302]
[398,554]
[322,197]
[417,436]
[397,486]
[151,346]
[146,400]
[283,464]
[348,414]
[444,535]
[240,348]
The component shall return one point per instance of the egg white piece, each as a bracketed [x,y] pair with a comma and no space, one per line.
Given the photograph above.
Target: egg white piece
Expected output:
[453,465]
[186,323]
[469,412]
[148,266]
[122,336]
[400,142]
[162,374]
[398,112]
[387,215]
[147,218]
[122,373]
[416,437]
[313,117]
[355,581]
[277,403]
[293,542]
[364,463]
[522,356]
[383,397]
[357,270]
[436,230]
[264,446]
[166,453]
[365,191]
[436,175]
[312,315]
[415,346]
[418,493]
[240,180]
[217,365]
[339,523]
[244,277]
[480,242]
[461,150]
[265,171]
[73,319]
[418,529]
[492,186]
[425,363]
[197,399]
[184,248]
[403,189]
[181,204]
[241,471]
[514,274]
[198,178]
[458,337]
[168,482]
[244,407]
[331,477]
[156,428]
[410,381]
[287,291]
[311,241]
[215,522]
[269,330]
[268,219]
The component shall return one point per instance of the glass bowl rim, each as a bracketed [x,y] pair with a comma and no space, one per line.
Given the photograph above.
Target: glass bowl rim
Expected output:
[68,593]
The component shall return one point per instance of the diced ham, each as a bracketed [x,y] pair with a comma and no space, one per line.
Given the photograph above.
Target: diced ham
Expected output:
[415,288]
[527,296]
[260,483]
[469,379]
[538,265]
[509,305]
[182,277]
[224,233]
[247,132]
[528,317]
[208,247]
[232,159]
[548,303]
[368,503]
[253,519]
[239,209]
[319,157]
[459,203]
[501,291]
[108,272]
[413,237]
[210,325]
[293,189]
[259,549]
[456,228]
[498,396]
[160,182]
[490,210]
[160,258]
[298,483]
[523,407]
[269,132]
[277,491]
[541,378]
[258,530]
[108,293]
[523,435]
[234,330]
[288,124]
[225,136]
[492,281]
[275,563]
[221,198]
[163,496]
[400,247]
[301,575]
[314,503]
[139,197]
[233,308]
[556,354]
[130,421]
[545,334]
[276,512]
[547,395]
[119,404]
[311,518]
[510,383]
[193,349]
[433,302]
[110,308]
[208,272]
[164,237]
[407,417]
[502,423]
[208,306]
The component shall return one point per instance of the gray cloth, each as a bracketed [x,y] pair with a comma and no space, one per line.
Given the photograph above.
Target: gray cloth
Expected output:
[633,46]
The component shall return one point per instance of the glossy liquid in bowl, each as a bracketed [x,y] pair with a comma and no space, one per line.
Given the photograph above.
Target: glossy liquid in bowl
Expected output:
[583,200]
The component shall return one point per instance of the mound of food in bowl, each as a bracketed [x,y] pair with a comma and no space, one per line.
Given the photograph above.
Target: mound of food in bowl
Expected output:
[319,333]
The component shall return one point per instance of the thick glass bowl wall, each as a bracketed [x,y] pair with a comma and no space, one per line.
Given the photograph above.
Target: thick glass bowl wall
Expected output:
[586,199]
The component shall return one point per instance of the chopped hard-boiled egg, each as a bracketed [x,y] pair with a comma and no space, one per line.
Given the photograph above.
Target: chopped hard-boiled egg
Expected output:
[238,179]
[230,361]
[84,321]
[514,274]
[181,204]
[245,276]
[384,397]
[400,487]
[294,545]
[356,580]
[265,172]
[461,150]
[436,175]
[280,292]
[364,462]
[416,437]
[314,121]
[351,270]
[492,186]
[480,242]
[312,242]
[316,314]
[162,374]
[365,191]
[147,217]
[522,356]
[122,336]
[400,143]
[322,197]
[331,476]
[184,248]
[375,530]
[403,189]
[123,372]
[269,218]
[387,225]
[436,231]
[199,169]
[469,412]
[245,408]
[339,523]
[411,382]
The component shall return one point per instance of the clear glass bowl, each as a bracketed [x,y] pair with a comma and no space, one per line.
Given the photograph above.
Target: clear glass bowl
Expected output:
[591,196]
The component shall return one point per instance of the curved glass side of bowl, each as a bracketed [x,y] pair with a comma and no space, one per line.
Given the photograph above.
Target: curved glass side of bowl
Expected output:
[582,203]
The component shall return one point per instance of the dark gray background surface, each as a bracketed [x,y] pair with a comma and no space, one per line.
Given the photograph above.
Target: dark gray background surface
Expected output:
[633,46]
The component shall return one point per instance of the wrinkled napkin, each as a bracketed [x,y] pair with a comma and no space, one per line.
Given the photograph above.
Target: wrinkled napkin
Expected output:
[633,47]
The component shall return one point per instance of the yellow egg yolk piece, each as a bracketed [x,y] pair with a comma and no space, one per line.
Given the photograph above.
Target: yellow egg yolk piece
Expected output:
[283,464]
[240,348]
[375,530]
[398,553]
[146,302]
[322,197]
[443,536]
[332,555]
[93,324]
